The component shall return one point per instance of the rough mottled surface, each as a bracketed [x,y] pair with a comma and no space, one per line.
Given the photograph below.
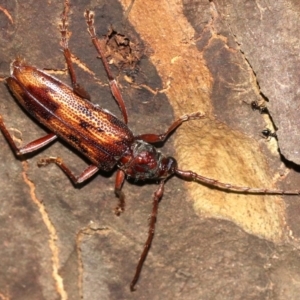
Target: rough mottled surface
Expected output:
[62,242]
[267,36]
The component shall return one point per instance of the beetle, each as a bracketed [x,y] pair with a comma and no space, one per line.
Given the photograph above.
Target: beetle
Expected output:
[102,138]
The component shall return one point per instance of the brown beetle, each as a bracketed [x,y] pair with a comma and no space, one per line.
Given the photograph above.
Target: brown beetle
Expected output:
[104,139]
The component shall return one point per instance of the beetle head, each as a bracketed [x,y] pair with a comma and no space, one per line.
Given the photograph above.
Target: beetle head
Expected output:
[146,162]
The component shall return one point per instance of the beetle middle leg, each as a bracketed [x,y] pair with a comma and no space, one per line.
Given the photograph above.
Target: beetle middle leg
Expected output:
[112,81]
[86,174]
[120,177]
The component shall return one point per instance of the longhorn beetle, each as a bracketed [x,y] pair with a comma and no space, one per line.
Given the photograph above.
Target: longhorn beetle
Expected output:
[104,139]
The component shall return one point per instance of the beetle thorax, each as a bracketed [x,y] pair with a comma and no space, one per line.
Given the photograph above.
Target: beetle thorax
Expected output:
[145,162]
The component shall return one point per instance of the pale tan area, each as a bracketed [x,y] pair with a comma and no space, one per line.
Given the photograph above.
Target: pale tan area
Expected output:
[205,146]
[56,265]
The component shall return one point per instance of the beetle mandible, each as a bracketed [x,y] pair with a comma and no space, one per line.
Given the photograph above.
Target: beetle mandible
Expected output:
[100,136]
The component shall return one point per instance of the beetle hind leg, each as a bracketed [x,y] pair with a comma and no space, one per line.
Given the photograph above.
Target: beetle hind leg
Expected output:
[30,147]
[77,88]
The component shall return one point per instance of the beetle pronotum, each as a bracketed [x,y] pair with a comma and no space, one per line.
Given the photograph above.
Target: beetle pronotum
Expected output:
[104,139]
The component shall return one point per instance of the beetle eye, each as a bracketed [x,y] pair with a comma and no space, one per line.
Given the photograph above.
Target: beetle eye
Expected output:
[172,164]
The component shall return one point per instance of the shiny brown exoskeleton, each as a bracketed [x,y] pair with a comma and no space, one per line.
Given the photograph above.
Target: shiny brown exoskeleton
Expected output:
[97,134]
[104,139]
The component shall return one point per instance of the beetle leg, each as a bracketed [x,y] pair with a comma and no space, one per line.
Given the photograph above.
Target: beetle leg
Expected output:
[120,177]
[86,174]
[112,81]
[30,147]
[155,138]
[77,88]
[157,196]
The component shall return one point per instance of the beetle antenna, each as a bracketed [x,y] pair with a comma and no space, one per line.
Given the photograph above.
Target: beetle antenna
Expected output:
[189,175]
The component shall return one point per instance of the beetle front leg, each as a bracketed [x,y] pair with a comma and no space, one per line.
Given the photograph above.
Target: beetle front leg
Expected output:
[86,174]
[155,138]
[30,147]
[157,196]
